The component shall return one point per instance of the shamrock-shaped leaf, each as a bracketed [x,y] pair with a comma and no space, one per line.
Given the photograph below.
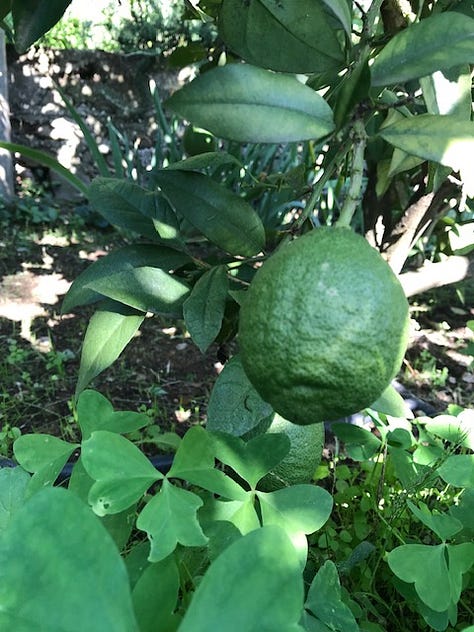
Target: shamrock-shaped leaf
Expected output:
[122,473]
[95,412]
[170,518]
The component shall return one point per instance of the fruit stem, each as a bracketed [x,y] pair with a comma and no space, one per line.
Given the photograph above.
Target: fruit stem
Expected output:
[353,197]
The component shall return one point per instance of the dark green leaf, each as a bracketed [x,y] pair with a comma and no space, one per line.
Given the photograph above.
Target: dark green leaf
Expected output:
[127,205]
[155,595]
[237,594]
[122,260]
[324,600]
[204,308]
[290,37]
[109,331]
[223,217]
[208,160]
[249,104]
[5,8]
[32,18]
[52,540]
[234,405]
[147,289]
[439,42]
[170,519]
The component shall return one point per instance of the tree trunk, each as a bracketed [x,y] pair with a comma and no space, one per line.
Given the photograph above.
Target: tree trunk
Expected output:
[6,164]
[431,275]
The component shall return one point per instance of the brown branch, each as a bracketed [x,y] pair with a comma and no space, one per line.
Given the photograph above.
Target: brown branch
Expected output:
[431,275]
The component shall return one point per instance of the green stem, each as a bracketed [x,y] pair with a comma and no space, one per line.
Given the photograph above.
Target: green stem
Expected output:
[353,196]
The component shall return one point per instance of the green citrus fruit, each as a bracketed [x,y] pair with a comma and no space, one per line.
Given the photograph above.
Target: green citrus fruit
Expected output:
[324,327]
[299,465]
[198,141]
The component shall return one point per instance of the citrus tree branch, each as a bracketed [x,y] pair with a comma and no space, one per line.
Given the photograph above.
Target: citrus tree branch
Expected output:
[354,193]
[431,275]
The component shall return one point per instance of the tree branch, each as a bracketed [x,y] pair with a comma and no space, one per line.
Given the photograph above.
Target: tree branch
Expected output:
[431,275]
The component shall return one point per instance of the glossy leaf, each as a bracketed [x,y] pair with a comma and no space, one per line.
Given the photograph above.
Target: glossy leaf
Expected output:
[155,596]
[253,459]
[147,289]
[324,600]
[109,331]
[121,260]
[458,470]
[341,9]
[127,205]
[209,160]
[195,462]
[249,104]
[290,37]
[122,473]
[204,309]
[13,487]
[170,519]
[438,42]
[444,139]
[53,538]
[448,92]
[235,406]
[95,412]
[223,217]
[263,596]
[32,18]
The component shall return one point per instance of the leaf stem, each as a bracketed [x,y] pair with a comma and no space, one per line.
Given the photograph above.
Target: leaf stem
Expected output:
[353,197]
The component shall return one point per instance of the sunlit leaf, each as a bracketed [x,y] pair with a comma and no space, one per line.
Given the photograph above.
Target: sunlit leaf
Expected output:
[109,331]
[249,104]
[438,42]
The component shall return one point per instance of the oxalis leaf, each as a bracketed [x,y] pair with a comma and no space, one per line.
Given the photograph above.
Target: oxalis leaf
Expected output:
[204,309]
[52,540]
[439,42]
[122,473]
[109,331]
[249,104]
[254,585]
[170,519]
[436,571]
[324,600]
[223,217]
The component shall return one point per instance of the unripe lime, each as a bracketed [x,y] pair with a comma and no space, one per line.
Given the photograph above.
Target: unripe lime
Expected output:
[299,465]
[324,327]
